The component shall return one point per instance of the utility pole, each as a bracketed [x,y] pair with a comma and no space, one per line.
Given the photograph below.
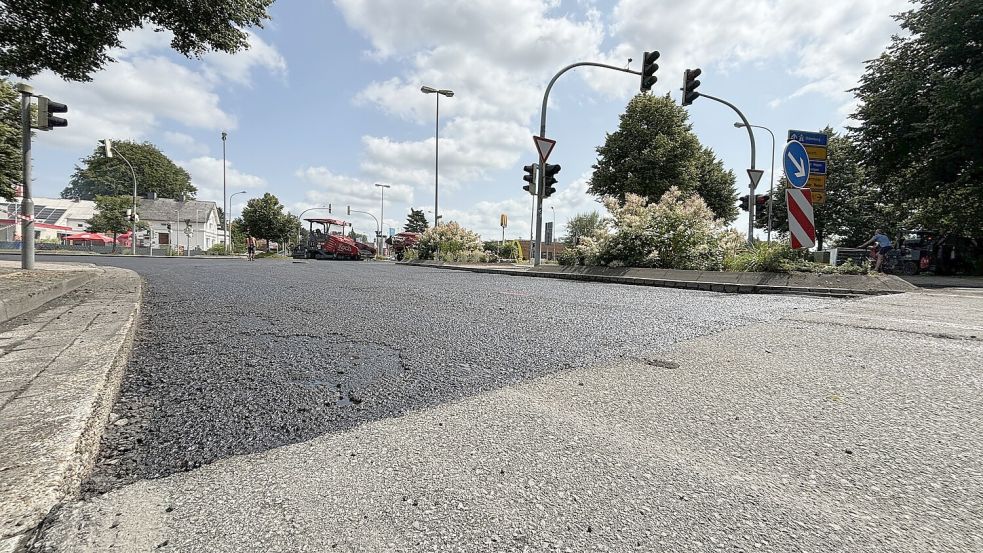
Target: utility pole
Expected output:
[27,201]
[225,203]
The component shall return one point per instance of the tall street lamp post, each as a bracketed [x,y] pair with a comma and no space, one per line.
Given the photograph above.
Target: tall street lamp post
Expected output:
[108,145]
[382,214]
[436,146]
[228,221]
[771,189]
[225,207]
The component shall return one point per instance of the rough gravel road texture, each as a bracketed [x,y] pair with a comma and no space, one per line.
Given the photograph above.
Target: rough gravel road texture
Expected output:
[234,357]
[854,428]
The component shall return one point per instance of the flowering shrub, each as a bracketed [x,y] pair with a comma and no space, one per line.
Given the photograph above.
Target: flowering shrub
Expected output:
[677,232]
[452,240]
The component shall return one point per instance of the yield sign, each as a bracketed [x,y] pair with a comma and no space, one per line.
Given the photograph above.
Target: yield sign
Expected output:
[801,223]
[755,175]
[545,146]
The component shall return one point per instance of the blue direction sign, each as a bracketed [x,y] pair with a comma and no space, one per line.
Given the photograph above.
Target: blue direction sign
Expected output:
[808,138]
[796,162]
[817,167]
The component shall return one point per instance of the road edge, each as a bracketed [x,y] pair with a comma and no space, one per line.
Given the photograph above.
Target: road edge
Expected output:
[26,300]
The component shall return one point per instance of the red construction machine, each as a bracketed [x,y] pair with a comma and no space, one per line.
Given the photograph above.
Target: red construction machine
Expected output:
[322,243]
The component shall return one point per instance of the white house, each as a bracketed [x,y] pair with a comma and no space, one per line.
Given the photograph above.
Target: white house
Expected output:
[189,224]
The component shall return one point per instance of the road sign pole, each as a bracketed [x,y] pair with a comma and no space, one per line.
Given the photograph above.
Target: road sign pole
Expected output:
[27,199]
[750,134]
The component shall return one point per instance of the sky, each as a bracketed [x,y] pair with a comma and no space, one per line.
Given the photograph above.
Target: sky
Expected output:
[326,103]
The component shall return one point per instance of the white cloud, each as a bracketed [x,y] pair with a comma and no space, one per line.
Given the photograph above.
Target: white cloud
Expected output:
[186,142]
[146,89]
[206,175]
[326,187]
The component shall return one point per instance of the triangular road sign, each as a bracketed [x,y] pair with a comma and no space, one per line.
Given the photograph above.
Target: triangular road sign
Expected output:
[755,175]
[545,146]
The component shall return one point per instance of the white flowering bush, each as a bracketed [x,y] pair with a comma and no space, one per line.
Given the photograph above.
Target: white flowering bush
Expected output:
[454,243]
[677,232]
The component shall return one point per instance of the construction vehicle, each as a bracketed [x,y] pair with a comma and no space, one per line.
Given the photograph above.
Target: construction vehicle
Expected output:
[403,241]
[322,243]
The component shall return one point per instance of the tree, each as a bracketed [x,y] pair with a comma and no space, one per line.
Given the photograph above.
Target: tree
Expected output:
[358,237]
[155,172]
[655,149]
[416,221]
[111,216]
[852,210]
[264,218]
[921,117]
[582,225]
[11,160]
[73,39]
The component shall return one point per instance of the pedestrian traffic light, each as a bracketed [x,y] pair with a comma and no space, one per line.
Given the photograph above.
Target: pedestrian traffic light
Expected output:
[530,178]
[690,84]
[46,107]
[744,202]
[761,200]
[649,68]
[551,171]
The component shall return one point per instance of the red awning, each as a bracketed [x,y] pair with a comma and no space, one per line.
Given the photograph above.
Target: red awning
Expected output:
[88,237]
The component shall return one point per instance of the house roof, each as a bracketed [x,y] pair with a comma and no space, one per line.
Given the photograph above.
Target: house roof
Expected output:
[166,209]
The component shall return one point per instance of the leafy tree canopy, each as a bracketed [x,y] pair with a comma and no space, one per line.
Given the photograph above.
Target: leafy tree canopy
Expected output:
[653,150]
[73,39]
[101,176]
[416,221]
[921,117]
[11,161]
[111,216]
[583,225]
[265,218]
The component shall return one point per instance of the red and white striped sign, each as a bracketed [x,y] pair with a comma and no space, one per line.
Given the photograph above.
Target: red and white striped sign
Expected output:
[801,224]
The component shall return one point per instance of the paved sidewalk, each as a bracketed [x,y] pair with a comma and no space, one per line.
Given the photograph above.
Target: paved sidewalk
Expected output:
[855,428]
[60,367]
[22,291]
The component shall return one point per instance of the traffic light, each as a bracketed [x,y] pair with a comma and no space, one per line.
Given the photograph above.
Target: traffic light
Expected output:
[760,200]
[168,226]
[649,68]
[690,84]
[744,202]
[530,178]
[46,107]
[349,210]
[551,171]
[107,145]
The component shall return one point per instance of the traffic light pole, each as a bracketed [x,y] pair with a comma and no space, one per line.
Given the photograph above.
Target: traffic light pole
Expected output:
[750,133]
[133,228]
[27,201]
[537,247]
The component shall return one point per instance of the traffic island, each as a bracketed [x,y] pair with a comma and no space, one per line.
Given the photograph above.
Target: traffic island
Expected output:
[711,281]
[60,370]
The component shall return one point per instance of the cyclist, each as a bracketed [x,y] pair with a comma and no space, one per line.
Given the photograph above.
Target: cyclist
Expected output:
[884,245]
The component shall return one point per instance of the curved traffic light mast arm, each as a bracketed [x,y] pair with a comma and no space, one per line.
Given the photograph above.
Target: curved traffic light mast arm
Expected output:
[537,255]
[133,232]
[377,225]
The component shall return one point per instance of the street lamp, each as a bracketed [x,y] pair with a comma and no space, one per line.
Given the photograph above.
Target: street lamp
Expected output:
[225,207]
[228,221]
[436,146]
[771,189]
[382,214]
[108,145]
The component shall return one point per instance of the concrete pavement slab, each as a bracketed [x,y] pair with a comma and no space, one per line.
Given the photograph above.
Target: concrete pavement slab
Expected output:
[22,291]
[60,368]
[813,433]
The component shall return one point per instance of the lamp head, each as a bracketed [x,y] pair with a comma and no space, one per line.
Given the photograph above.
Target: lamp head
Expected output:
[427,90]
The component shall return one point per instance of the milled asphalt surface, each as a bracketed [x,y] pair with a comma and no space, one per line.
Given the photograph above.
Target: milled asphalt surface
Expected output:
[234,357]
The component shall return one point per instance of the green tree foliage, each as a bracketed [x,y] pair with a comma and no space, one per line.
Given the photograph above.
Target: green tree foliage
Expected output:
[264,218]
[921,116]
[111,216]
[11,166]
[655,149]
[583,225]
[73,39]
[102,176]
[854,207]
[416,221]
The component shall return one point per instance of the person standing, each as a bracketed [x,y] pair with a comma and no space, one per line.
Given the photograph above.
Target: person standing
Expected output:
[884,245]
[251,248]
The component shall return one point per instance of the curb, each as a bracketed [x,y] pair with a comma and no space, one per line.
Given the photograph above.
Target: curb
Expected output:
[18,303]
[708,286]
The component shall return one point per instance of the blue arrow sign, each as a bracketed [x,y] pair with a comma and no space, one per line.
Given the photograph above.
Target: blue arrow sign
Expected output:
[796,163]
[808,138]
[817,167]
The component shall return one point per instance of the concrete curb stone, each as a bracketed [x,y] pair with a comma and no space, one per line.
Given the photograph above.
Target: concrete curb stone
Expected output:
[24,299]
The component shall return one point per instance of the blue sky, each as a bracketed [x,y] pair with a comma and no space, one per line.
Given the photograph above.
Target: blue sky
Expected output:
[326,102]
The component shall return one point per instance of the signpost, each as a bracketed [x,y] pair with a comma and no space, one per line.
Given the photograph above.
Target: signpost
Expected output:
[801,222]
[503,221]
[544,146]
[795,160]
[755,175]
[816,148]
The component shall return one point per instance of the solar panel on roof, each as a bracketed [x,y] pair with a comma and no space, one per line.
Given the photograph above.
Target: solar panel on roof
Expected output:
[54,216]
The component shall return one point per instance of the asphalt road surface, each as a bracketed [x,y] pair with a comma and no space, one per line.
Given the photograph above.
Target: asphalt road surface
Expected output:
[234,357]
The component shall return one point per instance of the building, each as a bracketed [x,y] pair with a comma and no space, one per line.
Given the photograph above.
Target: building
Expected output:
[550,251]
[54,218]
[181,224]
